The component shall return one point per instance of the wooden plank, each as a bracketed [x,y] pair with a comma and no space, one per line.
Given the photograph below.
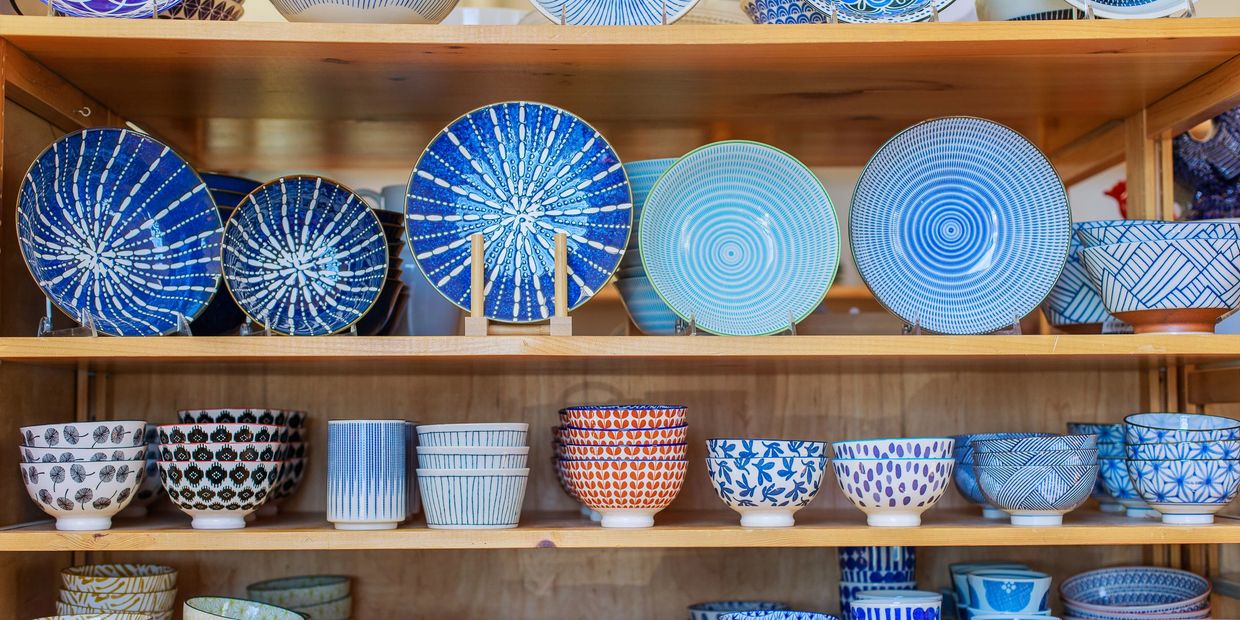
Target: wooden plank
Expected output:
[1090,154]
[49,96]
[1205,97]
[1214,385]
[1141,163]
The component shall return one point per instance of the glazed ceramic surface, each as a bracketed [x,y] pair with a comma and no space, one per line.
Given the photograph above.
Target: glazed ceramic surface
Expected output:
[716,609]
[871,11]
[119,230]
[741,238]
[960,225]
[366,11]
[916,448]
[1184,451]
[82,496]
[1074,300]
[119,578]
[1048,457]
[1131,9]
[893,492]
[1178,428]
[764,448]
[965,476]
[219,494]
[81,455]
[1107,433]
[221,433]
[620,437]
[1186,492]
[112,8]
[777,615]
[241,451]
[216,607]
[159,601]
[366,488]
[519,173]
[472,498]
[205,10]
[300,591]
[73,611]
[1135,589]
[103,435]
[766,492]
[960,576]
[472,458]
[1111,232]
[667,451]
[613,12]
[1035,444]
[642,176]
[277,417]
[649,312]
[505,435]
[862,609]
[1009,590]
[99,616]
[290,480]
[783,12]
[623,416]
[1037,495]
[888,559]
[627,493]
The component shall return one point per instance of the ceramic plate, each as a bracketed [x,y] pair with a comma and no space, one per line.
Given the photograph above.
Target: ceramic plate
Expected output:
[870,11]
[742,237]
[960,225]
[519,173]
[116,227]
[304,256]
[613,12]
[113,8]
[1132,9]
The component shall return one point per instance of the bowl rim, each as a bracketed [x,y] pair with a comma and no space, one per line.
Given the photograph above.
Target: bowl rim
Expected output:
[455,428]
[1235,424]
[189,603]
[634,407]
[473,450]
[854,441]
[763,439]
[465,472]
[267,584]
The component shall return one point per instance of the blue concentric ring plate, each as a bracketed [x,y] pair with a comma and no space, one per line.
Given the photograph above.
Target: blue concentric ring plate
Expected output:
[116,228]
[1132,9]
[304,256]
[613,12]
[519,173]
[960,225]
[741,238]
[882,11]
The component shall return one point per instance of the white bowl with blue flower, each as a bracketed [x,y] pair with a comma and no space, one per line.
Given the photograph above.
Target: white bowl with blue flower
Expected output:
[766,492]
[1186,492]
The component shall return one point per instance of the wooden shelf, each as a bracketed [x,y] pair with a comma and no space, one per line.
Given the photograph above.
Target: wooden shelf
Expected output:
[571,531]
[285,95]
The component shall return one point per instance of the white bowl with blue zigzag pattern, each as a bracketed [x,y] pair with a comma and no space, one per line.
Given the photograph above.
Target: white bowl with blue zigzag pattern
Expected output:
[366,11]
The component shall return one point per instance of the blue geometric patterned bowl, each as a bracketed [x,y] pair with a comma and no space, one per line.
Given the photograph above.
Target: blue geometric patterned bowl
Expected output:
[648,311]
[1110,232]
[884,11]
[893,492]
[778,615]
[1186,492]
[912,448]
[783,12]
[1179,428]
[113,8]
[1136,589]
[1037,496]
[716,609]
[1184,451]
[1160,286]
[1074,303]
[966,478]
[1036,444]
[1047,457]
[766,492]
[764,448]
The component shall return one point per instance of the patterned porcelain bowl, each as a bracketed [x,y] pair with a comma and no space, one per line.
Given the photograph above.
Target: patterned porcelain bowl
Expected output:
[1073,304]
[278,417]
[365,12]
[623,416]
[1047,457]
[777,615]
[597,437]
[565,482]
[217,607]
[500,435]
[914,448]
[82,496]
[1111,232]
[1037,495]
[119,578]
[472,498]
[716,609]
[105,434]
[649,312]
[140,602]
[339,609]
[218,494]
[767,492]
[783,12]
[672,451]
[100,616]
[876,576]
[1107,433]
[290,480]
[81,455]
[966,478]
[224,451]
[893,559]
[206,10]
[874,609]
[1036,444]
[1136,590]
[893,492]
[222,433]
[764,448]
[1009,590]
[1179,428]
[960,576]
[151,485]
[626,493]
[472,458]
[1184,451]
[1186,492]
[300,591]
[72,611]
[1114,475]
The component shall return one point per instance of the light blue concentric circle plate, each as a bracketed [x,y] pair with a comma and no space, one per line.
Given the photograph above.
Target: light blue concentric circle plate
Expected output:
[882,11]
[613,12]
[961,225]
[741,237]
[519,173]
[304,256]
[117,228]
[1132,9]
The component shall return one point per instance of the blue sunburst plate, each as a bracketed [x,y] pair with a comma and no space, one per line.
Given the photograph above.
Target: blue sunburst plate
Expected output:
[132,9]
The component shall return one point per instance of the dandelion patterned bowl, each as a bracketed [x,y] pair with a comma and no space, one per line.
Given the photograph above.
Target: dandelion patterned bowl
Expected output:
[107,435]
[1186,492]
[764,448]
[1037,495]
[115,578]
[219,494]
[1184,451]
[81,455]
[623,416]
[767,492]
[893,492]
[1178,428]
[82,496]
[716,609]
[915,448]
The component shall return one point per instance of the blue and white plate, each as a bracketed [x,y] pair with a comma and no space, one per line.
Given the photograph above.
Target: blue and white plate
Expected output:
[889,11]
[740,236]
[960,225]
[118,229]
[519,173]
[113,8]
[1132,9]
[304,256]
[613,12]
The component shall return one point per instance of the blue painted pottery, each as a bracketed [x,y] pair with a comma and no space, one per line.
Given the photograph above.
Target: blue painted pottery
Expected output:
[519,173]
[778,615]
[902,448]
[1179,428]
[642,176]
[960,576]
[472,498]
[1186,492]
[613,13]
[783,12]
[1037,495]
[1046,457]
[464,457]
[850,591]
[764,448]
[1131,9]
[1009,590]
[1073,303]
[304,256]
[1113,472]
[893,492]
[1036,444]
[740,237]
[766,492]
[229,183]
[113,8]
[1107,433]
[882,11]
[366,11]
[716,609]
[966,478]
[1110,232]
[893,607]
[879,558]
[118,230]
[1136,589]
[1185,451]
[366,488]
[876,576]
[970,613]
[648,311]
[505,435]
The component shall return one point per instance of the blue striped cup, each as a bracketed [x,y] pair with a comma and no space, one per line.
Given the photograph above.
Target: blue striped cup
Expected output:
[366,484]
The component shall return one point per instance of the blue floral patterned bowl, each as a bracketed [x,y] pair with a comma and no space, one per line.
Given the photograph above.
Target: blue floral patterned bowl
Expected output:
[1110,232]
[1046,457]
[1107,433]
[766,492]
[764,448]
[1186,492]
[1008,590]
[1179,428]
[1114,475]
[1037,444]
[717,609]
[1185,450]
[893,492]
[1037,496]
[778,615]
[1135,590]
[960,576]
[911,448]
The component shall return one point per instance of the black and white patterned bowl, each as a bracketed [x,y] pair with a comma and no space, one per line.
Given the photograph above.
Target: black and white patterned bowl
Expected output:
[81,455]
[82,496]
[219,494]
[105,434]
[221,433]
[224,451]
[279,417]
[206,10]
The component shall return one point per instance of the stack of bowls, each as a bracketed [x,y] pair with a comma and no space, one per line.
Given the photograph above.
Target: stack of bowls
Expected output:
[151,488]
[643,304]
[627,462]
[472,476]
[1007,593]
[557,465]
[715,610]
[379,320]
[146,589]
[1185,466]
[1037,480]
[897,605]
[965,476]
[865,569]
[1110,447]
[766,480]
[960,581]
[1164,276]
[893,481]
[220,607]
[222,315]
[1073,305]
[83,473]
[220,473]
[322,597]
[1136,593]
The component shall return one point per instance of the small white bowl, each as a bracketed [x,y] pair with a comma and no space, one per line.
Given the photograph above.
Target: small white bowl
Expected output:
[82,496]
[504,435]
[472,498]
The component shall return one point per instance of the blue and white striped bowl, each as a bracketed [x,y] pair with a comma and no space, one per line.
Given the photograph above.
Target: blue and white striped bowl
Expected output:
[472,498]
[646,308]
[457,457]
[499,435]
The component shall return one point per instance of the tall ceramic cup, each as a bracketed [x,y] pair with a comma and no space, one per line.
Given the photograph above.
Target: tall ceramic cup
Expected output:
[366,485]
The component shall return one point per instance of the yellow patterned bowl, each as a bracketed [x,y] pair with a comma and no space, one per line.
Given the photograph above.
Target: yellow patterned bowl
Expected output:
[117,578]
[142,602]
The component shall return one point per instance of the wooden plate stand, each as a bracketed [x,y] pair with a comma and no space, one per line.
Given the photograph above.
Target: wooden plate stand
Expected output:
[477,324]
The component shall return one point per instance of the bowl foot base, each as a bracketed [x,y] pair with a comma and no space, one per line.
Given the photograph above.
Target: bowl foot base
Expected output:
[1037,520]
[1142,513]
[219,522]
[767,519]
[894,520]
[355,526]
[1188,519]
[627,517]
[1111,507]
[1184,321]
[83,524]
[990,512]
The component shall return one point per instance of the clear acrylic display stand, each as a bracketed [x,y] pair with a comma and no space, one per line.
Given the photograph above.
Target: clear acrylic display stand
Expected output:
[1190,9]
[477,323]
[914,329]
[86,326]
[254,328]
[689,327]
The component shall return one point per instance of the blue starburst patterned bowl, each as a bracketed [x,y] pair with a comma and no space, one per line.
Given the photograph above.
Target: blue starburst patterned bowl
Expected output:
[1186,492]
[717,609]
[304,256]
[1107,433]
[614,12]
[1136,590]
[960,225]
[119,230]
[1179,427]
[1110,232]
[519,173]
[877,11]
[1113,472]
[764,448]
[783,12]
[766,492]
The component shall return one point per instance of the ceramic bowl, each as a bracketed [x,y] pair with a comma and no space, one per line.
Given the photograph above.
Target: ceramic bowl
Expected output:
[1184,451]
[1114,476]
[1036,444]
[600,437]
[82,496]
[849,591]
[716,609]
[561,477]
[766,492]
[222,433]
[1097,233]
[866,609]
[150,488]
[339,609]
[279,417]
[472,458]
[978,614]
[1186,492]
[764,448]
[1107,433]
[82,455]
[626,493]
[224,451]
[893,492]
[623,416]
[99,616]
[361,12]
[1045,457]
[300,591]
[914,448]
[206,10]
[649,312]
[293,473]
[1167,286]
[67,610]
[777,615]
[501,435]
[1009,590]
[966,478]
[1179,428]
[119,578]
[217,607]
[1136,589]
[219,494]
[472,498]
[960,576]
[1037,495]
[783,12]
[921,596]
[105,434]
[1073,305]
[140,602]
[673,451]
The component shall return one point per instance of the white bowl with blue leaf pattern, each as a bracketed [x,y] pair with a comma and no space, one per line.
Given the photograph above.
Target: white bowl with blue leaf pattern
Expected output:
[766,492]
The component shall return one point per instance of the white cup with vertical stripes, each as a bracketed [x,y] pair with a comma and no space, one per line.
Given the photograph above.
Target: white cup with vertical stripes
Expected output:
[366,474]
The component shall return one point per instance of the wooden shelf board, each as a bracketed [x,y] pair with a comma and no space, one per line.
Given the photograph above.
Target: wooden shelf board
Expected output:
[271,95]
[171,532]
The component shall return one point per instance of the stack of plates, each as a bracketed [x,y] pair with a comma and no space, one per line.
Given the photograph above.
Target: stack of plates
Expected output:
[322,597]
[381,319]
[222,315]
[1130,592]
[643,304]
[146,589]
